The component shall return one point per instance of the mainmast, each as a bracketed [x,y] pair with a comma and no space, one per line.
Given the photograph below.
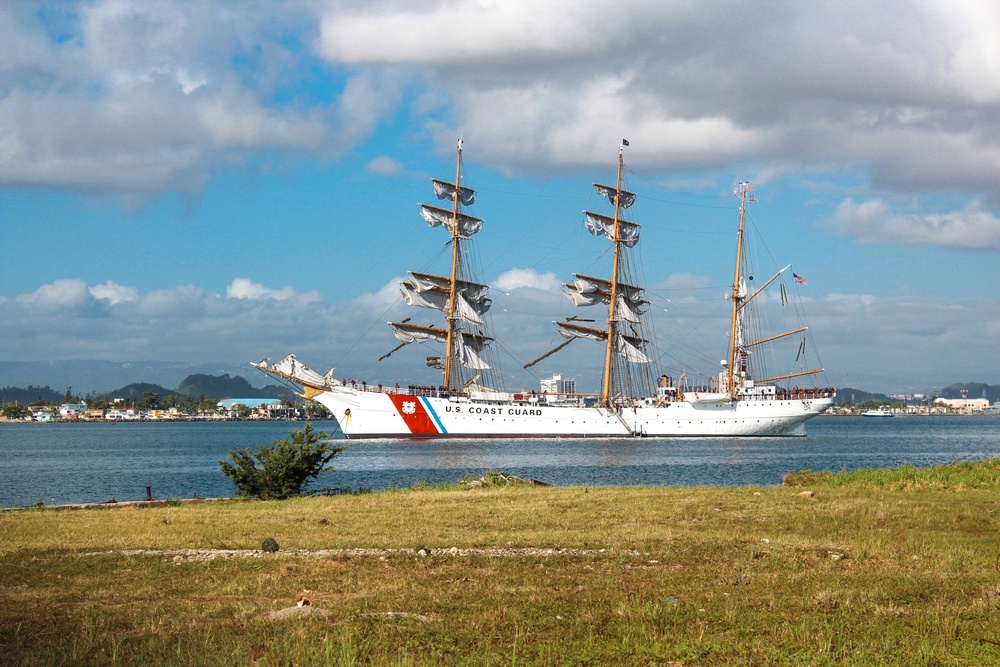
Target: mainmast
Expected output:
[460,300]
[612,306]
[455,258]
[736,349]
[624,301]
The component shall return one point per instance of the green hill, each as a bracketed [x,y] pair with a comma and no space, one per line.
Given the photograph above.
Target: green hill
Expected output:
[225,386]
[852,395]
[29,395]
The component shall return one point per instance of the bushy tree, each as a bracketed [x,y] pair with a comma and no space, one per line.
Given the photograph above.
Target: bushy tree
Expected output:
[15,411]
[285,466]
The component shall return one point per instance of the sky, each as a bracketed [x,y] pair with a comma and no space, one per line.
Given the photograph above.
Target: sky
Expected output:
[214,181]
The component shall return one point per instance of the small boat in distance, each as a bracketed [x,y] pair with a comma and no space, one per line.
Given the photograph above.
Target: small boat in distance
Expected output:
[881,412]
[635,399]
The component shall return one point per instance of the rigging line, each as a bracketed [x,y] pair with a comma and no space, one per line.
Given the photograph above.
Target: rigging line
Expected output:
[326,307]
[660,186]
[527,195]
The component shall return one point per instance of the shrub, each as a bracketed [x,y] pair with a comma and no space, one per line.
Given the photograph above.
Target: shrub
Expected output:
[285,466]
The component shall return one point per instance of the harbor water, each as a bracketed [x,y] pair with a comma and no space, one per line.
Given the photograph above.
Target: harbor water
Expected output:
[94,462]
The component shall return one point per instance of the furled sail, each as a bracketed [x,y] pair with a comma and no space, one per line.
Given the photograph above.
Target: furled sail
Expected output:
[597,224]
[430,291]
[568,330]
[468,351]
[444,190]
[625,198]
[628,347]
[298,371]
[590,291]
[467,225]
[413,333]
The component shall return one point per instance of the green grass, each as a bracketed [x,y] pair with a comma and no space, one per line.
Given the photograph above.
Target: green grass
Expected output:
[877,568]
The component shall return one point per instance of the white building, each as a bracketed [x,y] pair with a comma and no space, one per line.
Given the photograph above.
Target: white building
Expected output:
[965,404]
[559,389]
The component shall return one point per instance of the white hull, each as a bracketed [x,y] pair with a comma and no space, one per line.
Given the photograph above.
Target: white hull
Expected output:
[371,414]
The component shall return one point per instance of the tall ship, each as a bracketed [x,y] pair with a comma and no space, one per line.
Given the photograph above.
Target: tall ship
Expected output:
[634,399]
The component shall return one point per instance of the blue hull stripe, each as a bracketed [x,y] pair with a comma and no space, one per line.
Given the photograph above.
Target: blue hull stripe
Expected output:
[434,416]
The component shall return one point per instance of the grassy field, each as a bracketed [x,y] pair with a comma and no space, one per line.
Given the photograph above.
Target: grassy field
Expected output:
[896,567]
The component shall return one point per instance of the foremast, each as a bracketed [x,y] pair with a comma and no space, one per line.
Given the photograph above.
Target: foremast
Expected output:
[462,302]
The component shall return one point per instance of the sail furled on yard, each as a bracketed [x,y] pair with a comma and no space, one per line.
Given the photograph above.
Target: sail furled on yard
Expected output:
[629,348]
[444,190]
[468,350]
[597,224]
[590,291]
[293,369]
[414,333]
[625,198]
[429,291]
[435,217]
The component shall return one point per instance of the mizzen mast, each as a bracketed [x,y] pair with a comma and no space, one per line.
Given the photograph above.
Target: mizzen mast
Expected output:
[736,347]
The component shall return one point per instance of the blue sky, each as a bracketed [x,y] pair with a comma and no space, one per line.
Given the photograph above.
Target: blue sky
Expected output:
[203,181]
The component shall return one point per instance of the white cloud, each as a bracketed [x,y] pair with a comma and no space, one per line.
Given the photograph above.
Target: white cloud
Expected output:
[384,298]
[873,221]
[114,293]
[181,300]
[140,97]
[517,278]
[874,342]
[60,294]
[244,288]
[384,165]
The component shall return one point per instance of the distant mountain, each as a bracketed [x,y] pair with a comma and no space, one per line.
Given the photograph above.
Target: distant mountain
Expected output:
[224,386]
[103,376]
[852,395]
[134,391]
[193,386]
[975,389]
[30,394]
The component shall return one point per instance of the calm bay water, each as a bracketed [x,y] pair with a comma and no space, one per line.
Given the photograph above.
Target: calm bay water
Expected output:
[71,463]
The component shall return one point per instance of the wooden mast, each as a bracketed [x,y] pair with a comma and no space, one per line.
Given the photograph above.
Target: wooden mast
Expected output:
[743,190]
[613,306]
[455,256]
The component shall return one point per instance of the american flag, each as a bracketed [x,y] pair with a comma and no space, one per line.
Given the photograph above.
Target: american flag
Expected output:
[799,279]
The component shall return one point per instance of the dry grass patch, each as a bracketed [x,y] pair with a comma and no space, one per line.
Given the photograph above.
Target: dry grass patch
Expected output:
[694,576]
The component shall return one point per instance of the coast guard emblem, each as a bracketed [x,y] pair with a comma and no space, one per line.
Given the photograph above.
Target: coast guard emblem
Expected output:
[409,407]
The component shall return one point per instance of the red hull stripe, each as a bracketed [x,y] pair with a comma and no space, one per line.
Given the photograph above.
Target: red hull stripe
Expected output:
[411,409]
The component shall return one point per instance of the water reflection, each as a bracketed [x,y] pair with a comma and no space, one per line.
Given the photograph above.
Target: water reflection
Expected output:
[61,463]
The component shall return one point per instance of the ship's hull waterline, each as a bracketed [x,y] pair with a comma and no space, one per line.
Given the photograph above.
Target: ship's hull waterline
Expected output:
[371,414]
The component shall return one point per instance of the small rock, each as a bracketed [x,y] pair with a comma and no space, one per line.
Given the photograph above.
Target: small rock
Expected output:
[295,612]
[836,555]
[422,551]
[270,545]
[808,494]
[453,551]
